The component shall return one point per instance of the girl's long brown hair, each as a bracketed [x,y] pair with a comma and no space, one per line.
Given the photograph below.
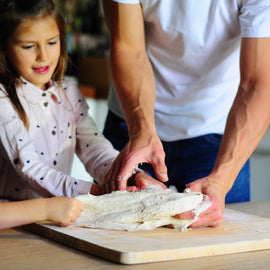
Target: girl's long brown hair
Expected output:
[12,13]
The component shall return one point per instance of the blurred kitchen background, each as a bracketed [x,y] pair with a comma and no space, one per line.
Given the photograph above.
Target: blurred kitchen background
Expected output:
[88,48]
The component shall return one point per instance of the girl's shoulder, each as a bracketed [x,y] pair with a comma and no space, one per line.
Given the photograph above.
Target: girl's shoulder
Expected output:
[70,87]
[6,107]
[72,91]
[3,93]
[69,84]
[7,110]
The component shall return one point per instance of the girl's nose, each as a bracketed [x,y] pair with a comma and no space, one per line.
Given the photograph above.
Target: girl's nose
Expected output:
[42,54]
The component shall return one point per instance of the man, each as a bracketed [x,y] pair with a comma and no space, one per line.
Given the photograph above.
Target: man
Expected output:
[186,102]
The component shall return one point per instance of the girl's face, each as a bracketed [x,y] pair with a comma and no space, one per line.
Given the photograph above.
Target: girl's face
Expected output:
[34,50]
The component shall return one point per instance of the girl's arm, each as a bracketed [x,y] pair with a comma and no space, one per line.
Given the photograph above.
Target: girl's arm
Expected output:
[60,210]
[93,149]
[19,150]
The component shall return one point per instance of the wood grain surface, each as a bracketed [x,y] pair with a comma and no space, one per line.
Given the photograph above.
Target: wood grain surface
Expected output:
[240,232]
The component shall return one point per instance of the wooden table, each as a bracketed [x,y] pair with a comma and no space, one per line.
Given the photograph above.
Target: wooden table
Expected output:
[24,250]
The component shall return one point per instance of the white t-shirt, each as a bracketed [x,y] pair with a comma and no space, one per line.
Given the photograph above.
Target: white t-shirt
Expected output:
[37,162]
[194,50]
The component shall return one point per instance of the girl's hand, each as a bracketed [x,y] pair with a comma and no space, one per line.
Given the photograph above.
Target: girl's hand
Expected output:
[63,210]
[97,189]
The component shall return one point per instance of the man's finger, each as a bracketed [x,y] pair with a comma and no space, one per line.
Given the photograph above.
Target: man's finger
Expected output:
[209,220]
[186,215]
[160,169]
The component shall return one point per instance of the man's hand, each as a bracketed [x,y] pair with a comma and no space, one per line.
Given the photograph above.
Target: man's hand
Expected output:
[215,192]
[139,149]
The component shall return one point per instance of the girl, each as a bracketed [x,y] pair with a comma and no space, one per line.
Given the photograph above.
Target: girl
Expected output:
[43,119]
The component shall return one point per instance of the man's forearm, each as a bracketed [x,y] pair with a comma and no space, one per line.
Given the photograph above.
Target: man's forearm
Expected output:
[247,122]
[249,116]
[135,86]
[130,67]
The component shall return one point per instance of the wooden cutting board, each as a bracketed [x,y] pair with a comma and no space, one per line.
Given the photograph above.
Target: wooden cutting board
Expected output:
[239,232]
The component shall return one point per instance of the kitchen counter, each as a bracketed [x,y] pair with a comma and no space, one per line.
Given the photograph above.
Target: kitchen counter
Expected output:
[23,250]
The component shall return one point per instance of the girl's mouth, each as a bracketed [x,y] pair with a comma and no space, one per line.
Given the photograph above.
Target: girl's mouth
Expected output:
[42,70]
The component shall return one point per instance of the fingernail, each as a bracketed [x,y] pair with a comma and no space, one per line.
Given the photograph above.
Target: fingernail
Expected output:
[164,176]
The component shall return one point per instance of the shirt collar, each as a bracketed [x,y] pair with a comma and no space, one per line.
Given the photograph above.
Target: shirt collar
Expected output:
[36,95]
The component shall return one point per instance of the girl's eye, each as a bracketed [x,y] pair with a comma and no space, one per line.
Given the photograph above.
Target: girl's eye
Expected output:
[27,47]
[52,42]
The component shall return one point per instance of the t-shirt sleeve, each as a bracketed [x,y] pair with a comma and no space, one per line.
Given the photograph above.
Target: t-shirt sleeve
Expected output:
[255,18]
